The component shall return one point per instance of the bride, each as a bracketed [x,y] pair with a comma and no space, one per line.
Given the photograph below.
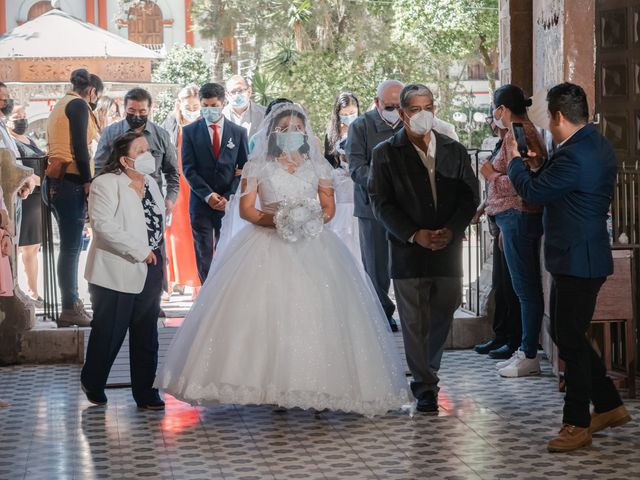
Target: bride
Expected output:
[289,323]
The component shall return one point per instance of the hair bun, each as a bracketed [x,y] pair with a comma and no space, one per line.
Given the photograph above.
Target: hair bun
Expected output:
[528,102]
[80,78]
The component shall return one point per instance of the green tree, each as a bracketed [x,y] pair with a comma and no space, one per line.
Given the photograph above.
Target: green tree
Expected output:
[183,65]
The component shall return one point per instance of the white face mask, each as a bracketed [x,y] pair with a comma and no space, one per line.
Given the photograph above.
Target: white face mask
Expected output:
[421,123]
[144,163]
[498,121]
[189,115]
[392,117]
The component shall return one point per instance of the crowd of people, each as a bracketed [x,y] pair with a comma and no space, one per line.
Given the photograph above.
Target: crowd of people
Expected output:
[198,202]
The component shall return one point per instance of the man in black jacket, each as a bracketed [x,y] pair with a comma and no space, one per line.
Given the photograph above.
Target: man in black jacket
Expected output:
[424,192]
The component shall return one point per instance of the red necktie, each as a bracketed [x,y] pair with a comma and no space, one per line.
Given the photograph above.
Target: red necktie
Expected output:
[216,141]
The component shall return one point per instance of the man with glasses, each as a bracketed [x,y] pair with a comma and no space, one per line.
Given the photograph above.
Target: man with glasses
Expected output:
[240,109]
[365,133]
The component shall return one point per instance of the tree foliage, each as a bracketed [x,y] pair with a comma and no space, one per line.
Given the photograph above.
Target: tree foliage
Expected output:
[311,50]
[183,65]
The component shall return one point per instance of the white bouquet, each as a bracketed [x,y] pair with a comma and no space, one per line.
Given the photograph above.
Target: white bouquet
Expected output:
[299,219]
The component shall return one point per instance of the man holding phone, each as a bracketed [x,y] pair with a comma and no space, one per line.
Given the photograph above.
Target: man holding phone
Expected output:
[575,187]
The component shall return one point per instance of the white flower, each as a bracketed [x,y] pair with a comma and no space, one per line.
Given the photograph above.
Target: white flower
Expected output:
[298,219]
[231,145]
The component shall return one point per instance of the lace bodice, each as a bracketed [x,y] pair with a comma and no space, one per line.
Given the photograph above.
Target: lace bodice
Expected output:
[277,183]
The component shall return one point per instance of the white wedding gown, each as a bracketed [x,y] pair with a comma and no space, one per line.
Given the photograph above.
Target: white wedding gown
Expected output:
[291,324]
[343,223]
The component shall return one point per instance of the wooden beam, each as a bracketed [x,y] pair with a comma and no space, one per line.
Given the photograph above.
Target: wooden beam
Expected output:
[102,14]
[90,7]
[3,16]
[188,23]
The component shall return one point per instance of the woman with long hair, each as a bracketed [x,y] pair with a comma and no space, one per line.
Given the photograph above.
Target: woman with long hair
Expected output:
[181,258]
[107,112]
[346,109]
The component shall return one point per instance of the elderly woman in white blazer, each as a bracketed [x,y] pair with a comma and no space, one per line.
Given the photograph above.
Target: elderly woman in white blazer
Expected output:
[125,270]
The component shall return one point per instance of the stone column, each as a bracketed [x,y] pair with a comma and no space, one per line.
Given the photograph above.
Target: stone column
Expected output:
[516,44]
[16,315]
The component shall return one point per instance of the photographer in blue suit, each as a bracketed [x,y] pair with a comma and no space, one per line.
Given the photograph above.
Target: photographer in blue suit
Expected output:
[213,153]
[575,187]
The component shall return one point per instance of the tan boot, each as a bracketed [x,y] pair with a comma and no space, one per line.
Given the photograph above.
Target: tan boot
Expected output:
[570,438]
[613,418]
[74,316]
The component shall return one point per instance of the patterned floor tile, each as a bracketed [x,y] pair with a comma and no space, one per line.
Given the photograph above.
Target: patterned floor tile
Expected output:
[488,428]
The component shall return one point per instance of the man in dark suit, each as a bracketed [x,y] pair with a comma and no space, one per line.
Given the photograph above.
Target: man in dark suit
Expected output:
[213,153]
[575,187]
[365,133]
[424,192]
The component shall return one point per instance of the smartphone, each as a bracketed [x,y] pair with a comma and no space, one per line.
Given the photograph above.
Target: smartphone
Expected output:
[521,139]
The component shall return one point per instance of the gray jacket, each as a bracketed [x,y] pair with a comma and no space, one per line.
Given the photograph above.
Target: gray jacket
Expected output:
[251,119]
[365,133]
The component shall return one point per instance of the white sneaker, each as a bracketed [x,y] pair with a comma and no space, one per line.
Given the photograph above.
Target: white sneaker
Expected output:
[521,367]
[506,363]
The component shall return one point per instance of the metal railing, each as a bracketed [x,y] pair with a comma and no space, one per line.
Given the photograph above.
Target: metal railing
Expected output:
[476,246]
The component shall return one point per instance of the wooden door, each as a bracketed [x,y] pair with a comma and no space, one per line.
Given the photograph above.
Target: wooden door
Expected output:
[145,24]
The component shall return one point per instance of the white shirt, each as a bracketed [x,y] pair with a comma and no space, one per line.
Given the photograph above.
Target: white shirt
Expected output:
[429,161]
[7,141]
[220,124]
[243,119]
[569,137]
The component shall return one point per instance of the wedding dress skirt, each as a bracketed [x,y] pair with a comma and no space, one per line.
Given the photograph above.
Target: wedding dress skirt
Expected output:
[290,324]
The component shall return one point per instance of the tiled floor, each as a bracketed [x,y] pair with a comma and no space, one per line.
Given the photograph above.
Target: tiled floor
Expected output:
[488,428]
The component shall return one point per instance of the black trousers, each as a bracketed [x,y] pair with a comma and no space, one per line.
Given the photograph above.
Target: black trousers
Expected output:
[113,314]
[507,321]
[205,226]
[573,301]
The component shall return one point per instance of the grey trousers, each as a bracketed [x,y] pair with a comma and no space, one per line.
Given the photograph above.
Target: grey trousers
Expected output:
[374,249]
[426,306]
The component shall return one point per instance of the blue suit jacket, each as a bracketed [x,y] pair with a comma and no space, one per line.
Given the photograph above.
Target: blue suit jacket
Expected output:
[575,186]
[205,174]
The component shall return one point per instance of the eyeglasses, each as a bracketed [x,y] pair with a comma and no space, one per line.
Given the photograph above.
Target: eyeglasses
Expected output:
[391,108]
[238,91]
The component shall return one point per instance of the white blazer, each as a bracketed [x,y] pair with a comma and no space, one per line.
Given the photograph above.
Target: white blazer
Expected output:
[120,241]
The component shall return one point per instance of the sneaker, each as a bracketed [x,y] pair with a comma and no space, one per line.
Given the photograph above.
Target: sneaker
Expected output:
[570,438]
[508,362]
[521,367]
[38,302]
[613,418]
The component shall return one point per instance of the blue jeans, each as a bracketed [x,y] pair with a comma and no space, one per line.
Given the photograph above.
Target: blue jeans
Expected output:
[68,203]
[521,234]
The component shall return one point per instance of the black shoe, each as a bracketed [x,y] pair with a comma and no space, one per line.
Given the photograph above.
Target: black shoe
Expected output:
[484,348]
[99,399]
[152,401]
[428,403]
[393,324]
[502,353]
[162,313]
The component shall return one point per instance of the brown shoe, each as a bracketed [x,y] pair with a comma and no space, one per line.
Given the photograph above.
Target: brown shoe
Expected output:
[74,316]
[613,418]
[570,438]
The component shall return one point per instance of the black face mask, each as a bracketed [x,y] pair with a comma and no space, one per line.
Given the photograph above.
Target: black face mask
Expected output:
[20,126]
[136,121]
[8,107]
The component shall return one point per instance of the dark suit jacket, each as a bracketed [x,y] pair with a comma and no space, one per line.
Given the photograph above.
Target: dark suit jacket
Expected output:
[206,175]
[400,194]
[365,133]
[575,186]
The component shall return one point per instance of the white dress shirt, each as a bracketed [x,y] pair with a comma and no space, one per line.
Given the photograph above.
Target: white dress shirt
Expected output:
[429,161]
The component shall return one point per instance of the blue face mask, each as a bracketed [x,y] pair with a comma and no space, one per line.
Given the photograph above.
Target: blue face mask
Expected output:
[290,141]
[239,100]
[347,119]
[211,114]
